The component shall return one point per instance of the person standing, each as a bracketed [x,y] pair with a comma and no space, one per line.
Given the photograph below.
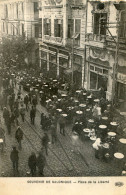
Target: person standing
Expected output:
[45,141]
[32,115]
[41,162]
[14,158]
[32,162]
[19,136]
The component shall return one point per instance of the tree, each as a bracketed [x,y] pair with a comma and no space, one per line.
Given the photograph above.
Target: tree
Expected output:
[15,50]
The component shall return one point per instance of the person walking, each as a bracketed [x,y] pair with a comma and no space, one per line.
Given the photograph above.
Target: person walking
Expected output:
[26,100]
[41,162]
[14,158]
[32,115]
[53,133]
[6,114]
[8,124]
[16,113]
[62,125]
[34,101]
[19,136]
[45,141]
[32,162]
[22,112]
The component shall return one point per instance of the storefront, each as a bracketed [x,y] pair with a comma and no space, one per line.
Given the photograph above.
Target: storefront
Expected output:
[63,64]
[44,62]
[52,62]
[121,82]
[121,91]
[77,68]
[98,77]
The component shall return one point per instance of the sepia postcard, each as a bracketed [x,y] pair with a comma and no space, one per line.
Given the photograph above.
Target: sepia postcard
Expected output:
[62,97]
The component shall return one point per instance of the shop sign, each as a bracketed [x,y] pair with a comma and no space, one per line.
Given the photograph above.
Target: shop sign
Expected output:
[121,78]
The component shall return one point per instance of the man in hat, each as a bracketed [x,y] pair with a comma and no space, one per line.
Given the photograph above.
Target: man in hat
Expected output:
[22,112]
[32,115]
[14,158]
[45,141]
[41,162]
[19,136]
[26,100]
[62,122]
[53,133]
[32,162]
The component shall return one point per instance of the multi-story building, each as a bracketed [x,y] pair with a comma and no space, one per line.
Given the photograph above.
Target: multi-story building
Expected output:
[63,34]
[20,17]
[106,48]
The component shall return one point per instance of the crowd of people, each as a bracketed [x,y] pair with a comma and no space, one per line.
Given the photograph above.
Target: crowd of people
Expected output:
[90,114]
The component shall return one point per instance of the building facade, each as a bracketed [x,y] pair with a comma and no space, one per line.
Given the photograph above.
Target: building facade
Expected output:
[21,17]
[105,64]
[61,49]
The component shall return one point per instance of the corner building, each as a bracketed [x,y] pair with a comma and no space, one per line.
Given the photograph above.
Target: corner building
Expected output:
[18,17]
[106,49]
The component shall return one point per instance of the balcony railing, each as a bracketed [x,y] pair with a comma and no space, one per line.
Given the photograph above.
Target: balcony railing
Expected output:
[94,37]
[55,40]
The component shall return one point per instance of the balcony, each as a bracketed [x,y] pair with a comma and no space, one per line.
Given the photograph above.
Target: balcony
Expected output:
[53,40]
[95,40]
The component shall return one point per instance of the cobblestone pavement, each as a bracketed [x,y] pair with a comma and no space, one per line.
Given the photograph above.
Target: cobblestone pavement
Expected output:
[61,161]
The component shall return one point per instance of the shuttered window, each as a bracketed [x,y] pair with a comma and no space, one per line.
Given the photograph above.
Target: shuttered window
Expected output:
[36,30]
[77,26]
[47,26]
[58,28]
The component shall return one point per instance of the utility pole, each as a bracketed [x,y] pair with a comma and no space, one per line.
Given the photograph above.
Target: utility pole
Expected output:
[72,65]
[115,68]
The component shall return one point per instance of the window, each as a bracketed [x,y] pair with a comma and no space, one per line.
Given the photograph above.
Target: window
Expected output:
[122,28]
[99,70]
[47,26]
[35,7]
[6,11]
[70,28]
[43,55]
[22,29]
[100,21]
[22,5]
[36,11]
[3,27]
[40,28]
[17,9]
[58,28]
[13,31]
[77,31]
[7,28]
[36,30]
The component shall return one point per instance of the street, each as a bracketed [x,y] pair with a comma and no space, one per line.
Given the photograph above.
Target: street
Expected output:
[61,161]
